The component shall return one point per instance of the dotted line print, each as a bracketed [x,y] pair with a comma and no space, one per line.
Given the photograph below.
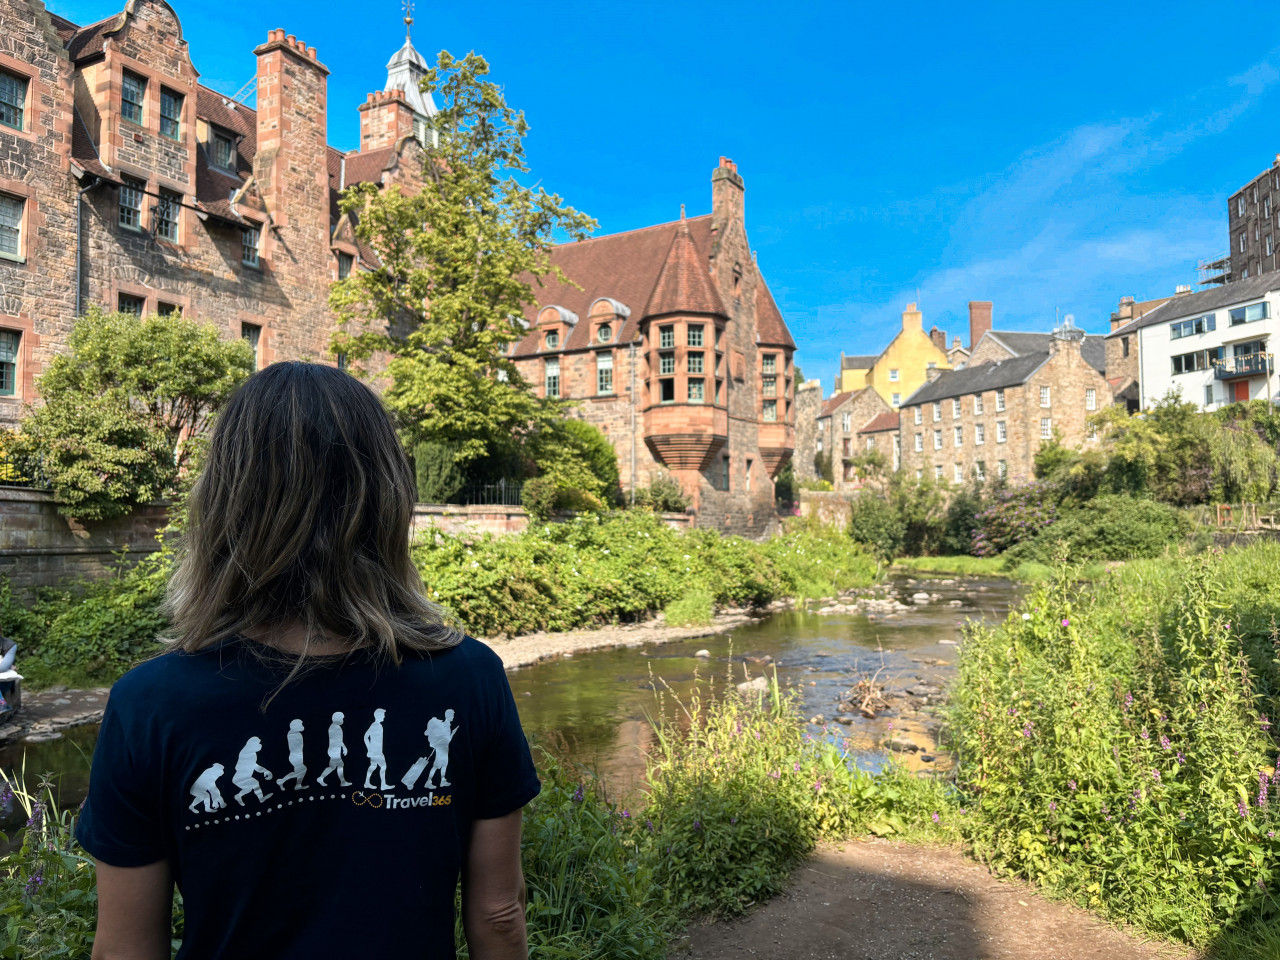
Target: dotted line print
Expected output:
[271,808]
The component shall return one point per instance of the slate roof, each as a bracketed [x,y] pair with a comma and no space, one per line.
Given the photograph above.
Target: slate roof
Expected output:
[860,362]
[87,41]
[836,401]
[1021,343]
[985,376]
[882,423]
[1215,298]
[369,166]
[771,329]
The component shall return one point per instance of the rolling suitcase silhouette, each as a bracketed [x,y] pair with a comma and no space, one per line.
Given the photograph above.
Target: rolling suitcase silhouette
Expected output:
[410,779]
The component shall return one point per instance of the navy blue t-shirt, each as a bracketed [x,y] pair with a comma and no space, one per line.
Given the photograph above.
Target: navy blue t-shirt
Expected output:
[334,823]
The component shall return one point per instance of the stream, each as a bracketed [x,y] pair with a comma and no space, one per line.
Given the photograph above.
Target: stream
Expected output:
[594,708]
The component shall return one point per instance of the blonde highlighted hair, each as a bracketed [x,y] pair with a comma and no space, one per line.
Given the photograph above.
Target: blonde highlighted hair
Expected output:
[302,512]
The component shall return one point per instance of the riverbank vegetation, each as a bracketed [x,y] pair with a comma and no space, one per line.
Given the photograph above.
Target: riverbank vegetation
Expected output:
[592,570]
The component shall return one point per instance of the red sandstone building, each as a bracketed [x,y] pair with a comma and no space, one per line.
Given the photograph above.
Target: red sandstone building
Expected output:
[125,182]
[675,348]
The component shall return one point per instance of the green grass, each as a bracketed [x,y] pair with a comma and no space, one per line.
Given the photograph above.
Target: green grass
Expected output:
[966,566]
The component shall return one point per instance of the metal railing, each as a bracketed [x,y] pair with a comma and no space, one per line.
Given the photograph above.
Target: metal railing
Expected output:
[21,472]
[504,493]
[1245,365]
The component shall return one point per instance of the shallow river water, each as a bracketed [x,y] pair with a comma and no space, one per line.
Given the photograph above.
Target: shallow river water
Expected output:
[594,708]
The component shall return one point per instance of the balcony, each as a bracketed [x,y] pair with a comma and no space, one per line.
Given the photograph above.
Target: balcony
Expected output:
[1248,365]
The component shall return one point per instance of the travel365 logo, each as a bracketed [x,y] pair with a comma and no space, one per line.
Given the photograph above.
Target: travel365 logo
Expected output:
[376,801]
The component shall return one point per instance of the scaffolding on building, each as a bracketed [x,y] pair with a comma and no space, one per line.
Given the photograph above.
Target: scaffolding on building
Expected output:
[1215,271]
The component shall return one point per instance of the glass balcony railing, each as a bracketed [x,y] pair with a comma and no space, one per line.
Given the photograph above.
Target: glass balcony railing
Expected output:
[1248,365]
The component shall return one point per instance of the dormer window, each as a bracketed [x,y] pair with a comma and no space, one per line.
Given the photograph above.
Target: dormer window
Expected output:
[553,340]
[132,90]
[223,148]
[605,333]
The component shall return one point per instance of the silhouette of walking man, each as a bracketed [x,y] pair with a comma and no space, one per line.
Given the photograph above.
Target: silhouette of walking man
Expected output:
[373,746]
[295,758]
[246,770]
[439,734]
[337,750]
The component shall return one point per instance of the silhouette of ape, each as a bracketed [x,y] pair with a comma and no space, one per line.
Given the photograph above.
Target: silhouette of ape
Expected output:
[373,746]
[295,758]
[246,769]
[205,790]
[337,750]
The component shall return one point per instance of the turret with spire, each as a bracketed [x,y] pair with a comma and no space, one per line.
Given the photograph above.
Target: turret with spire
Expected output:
[402,108]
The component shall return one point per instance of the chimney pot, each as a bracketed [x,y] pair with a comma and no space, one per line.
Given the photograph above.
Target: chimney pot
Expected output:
[979,320]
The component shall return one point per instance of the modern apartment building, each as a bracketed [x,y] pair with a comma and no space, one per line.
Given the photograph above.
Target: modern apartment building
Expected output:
[127,183]
[1209,348]
[1253,215]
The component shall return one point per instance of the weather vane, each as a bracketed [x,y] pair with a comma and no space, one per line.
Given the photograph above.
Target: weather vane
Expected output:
[408,18]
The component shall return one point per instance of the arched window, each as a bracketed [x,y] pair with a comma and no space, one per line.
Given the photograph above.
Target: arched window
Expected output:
[605,333]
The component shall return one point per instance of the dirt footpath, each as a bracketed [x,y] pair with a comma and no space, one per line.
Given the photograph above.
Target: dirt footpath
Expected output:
[877,900]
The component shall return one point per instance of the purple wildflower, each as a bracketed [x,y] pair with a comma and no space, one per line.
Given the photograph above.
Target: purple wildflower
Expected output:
[1128,702]
[776,774]
[1052,805]
[1266,724]
[626,814]
[1026,730]
[578,794]
[1071,785]
[1244,810]
[697,825]
[733,820]
[1144,734]
[1180,758]
[648,825]
[936,819]
[1066,622]
[1155,775]
[35,881]
[1164,743]
[796,766]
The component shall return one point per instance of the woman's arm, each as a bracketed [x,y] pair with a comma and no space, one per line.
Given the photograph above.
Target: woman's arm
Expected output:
[493,891]
[135,907]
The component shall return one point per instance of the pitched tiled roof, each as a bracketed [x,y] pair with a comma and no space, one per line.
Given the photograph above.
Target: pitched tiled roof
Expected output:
[83,152]
[621,265]
[985,376]
[87,41]
[882,422]
[1194,304]
[835,402]
[858,363]
[770,327]
[214,189]
[369,166]
[683,284]
[1022,343]
[234,117]
[65,28]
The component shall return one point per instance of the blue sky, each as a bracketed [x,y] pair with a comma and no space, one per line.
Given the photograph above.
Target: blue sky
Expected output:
[1043,157]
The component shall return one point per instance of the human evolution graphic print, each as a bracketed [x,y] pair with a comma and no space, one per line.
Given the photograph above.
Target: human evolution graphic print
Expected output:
[255,793]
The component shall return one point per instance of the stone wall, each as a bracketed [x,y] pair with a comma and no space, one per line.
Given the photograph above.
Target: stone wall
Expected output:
[41,548]
[832,509]
[808,406]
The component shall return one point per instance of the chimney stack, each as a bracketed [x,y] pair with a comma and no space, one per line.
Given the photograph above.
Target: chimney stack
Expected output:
[912,319]
[939,338]
[979,320]
[385,118]
[1123,314]
[727,189]
[932,374]
[293,140]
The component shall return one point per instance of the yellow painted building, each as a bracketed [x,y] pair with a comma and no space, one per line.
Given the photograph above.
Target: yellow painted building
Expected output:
[903,367]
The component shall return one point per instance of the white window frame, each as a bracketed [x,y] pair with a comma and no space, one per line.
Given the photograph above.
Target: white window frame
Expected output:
[893,375]
[1091,396]
[1002,431]
[919,443]
[937,410]
[919,418]
[977,404]
[1046,428]
[1044,397]
[937,439]
[955,407]
[959,473]
[999,401]
[958,437]
[979,434]
[604,365]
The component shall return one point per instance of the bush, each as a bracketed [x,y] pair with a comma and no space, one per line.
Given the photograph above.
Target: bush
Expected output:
[694,609]
[578,461]
[662,495]
[1106,528]
[436,470]
[961,521]
[919,504]
[538,496]
[876,525]
[1014,514]
[1114,744]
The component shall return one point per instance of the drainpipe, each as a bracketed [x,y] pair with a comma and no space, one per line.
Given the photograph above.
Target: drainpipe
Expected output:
[633,423]
[97,181]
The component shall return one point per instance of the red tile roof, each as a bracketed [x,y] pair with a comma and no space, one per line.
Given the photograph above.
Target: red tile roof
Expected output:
[83,153]
[234,117]
[65,28]
[623,266]
[882,422]
[683,284]
[87,41]
[369,166]
[770,326]
[835,402]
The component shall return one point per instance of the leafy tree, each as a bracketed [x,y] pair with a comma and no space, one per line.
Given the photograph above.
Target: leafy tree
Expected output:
[919,505]
[662,495]
[456,258]
[961,520]
[436,470]
[579,463]
[124,408]
[874,523]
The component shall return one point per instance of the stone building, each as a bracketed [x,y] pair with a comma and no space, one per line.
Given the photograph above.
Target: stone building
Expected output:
[1122,363]
[808,406]
[881,434]
[675,348]
[126,183]
[839,421]
[1253,217]
[1017,392]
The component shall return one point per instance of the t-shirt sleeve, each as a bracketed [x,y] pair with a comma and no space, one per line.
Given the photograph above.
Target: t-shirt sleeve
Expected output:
[121,822]
[506,778]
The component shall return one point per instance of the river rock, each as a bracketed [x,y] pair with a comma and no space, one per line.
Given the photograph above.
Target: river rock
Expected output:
[703,654]
[898,743]
[754,685]
[920,597]
[955,603]
[949,643]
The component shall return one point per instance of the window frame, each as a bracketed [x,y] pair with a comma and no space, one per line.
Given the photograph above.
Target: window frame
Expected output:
[175,98]
[979,434]
[551,377]
[695,335]
[701,384]
[919,443]
[346,263]
[13,362]
[20,109]
[252,334]
[769,411]
[937,439]
[958,437]
[135,301]
[130,186]
[1046,400]
[1090,398]
[1046,428]
[217,135]
[168,212]
[246,246]
[694,362]
[604,365]
[19,231]
[127,106]
[667,337]
[1000,401]
[1002,431]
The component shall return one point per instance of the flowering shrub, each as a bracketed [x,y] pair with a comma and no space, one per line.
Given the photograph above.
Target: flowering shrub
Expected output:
[1014,514]
[1116,746]
[1106,528]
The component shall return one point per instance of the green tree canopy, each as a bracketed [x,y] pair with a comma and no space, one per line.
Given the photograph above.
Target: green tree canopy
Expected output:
[123,409]
[456,258]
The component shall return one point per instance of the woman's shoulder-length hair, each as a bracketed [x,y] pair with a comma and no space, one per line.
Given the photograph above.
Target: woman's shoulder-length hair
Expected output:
[302,512]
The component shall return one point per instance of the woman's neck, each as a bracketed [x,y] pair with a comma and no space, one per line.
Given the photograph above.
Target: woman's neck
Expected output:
[290,637]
